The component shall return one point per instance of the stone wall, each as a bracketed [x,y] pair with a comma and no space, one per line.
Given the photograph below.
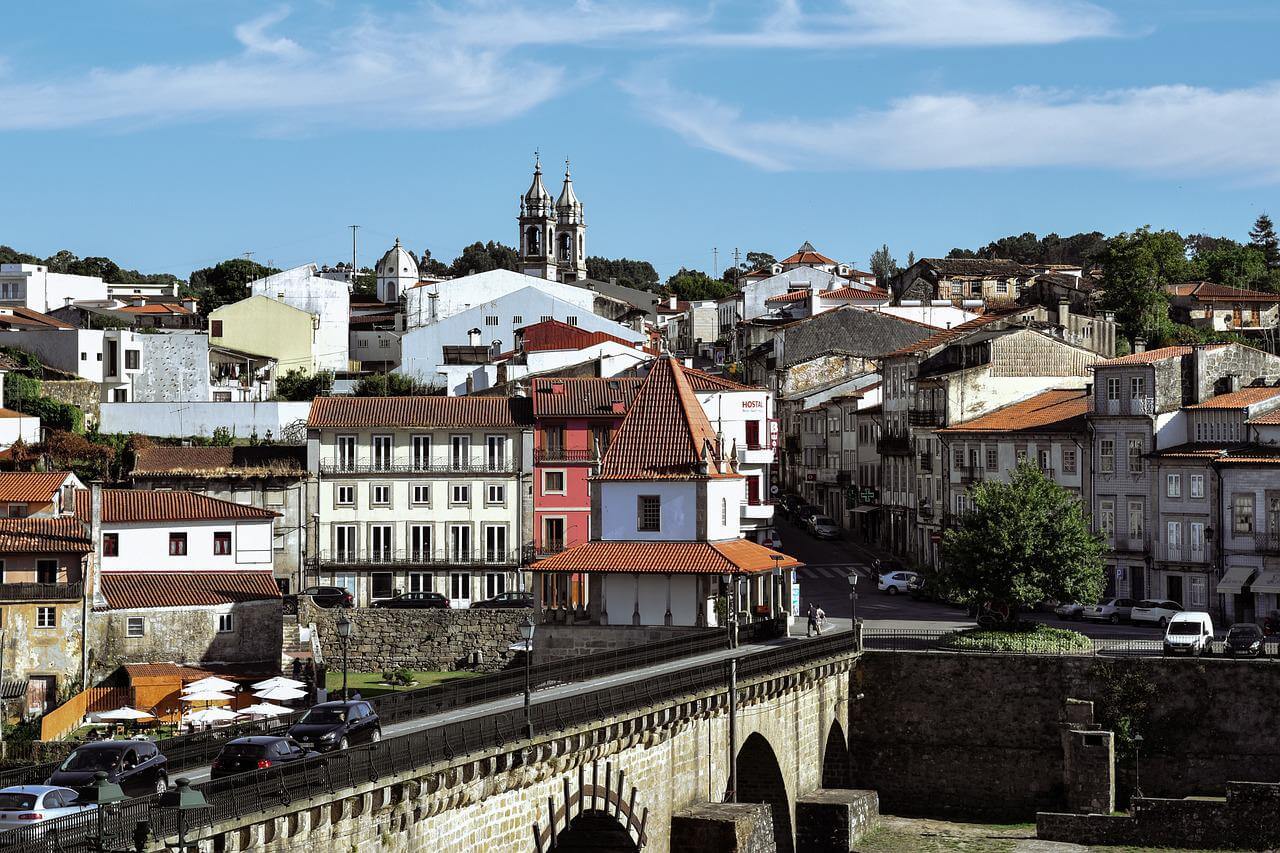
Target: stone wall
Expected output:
[980,736]
[78,392]
[559,642]
[428,640]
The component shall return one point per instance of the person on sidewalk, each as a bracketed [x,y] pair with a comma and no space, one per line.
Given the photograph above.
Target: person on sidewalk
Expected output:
[822,620]
[813,622]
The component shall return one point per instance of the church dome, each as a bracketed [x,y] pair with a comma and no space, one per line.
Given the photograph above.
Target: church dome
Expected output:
[398,262]
[537,194]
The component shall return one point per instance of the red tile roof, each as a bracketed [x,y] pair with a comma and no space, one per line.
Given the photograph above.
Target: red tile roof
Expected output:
[946,336]
[735,557]
[700,380]
[1239,399]
[170,671]
[791,296]
[1059,410]
[1152,356]
[18,317]
[665,432]
[664,307]
[262,461]
[127,506]
[808,256]
[153,308]
[1207,291]
[63,534]
[1238,453]
[852,292]
[586,396]
[1272,417]
[555,335]
[133,590]
[422,412]
[31,486]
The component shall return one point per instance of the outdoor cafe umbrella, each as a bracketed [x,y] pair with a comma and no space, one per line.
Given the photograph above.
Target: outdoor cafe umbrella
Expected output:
[210,683]
[265,709]
[278,681]
[280,694]
[211,715]
[125,713]
[207,696]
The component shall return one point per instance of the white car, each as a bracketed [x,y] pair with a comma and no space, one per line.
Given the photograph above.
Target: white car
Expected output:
[1154,612]
[28,805]
[824,528]
[895,582]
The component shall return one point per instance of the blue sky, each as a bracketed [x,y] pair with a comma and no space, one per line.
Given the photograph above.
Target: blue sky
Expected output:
[169,136]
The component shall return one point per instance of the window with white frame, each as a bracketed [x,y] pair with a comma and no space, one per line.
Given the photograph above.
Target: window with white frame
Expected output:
[1107,519]
[1197,485]
[1242,514]
[382,452]
[1107,456]
[135,626]
[346,448]
[1068,460]
[495,494]
[1173,536]
[344,495]
[1113,388]
[495,584]
[344,542]
[459,494]
[420,494]
[1173,485]
[460,586]
[226,623]
[1137,387]
[460,452]
[380,545]
[1136,521]
[419,582]
[553,483]
[1198,588]
[380,495]
[1196,540]
[495,543]
[421,452]
[993,458]
[46,617]
[496,452]
[1136,449]
[420,542]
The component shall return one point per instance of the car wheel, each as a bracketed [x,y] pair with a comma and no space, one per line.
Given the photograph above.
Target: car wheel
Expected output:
[893,590]
[1115,619]
[1164,622]
[344,743]
[162,784]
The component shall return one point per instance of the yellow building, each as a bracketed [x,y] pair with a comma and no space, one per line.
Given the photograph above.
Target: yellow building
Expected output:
[268,327]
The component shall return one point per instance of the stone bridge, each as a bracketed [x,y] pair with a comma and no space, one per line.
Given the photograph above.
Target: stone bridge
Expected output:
[654,778]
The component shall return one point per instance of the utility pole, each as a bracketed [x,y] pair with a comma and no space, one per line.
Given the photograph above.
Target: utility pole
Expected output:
[248,256]
[715,262]
[354,229]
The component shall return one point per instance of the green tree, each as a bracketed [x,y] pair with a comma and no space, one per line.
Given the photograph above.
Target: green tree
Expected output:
[393,385]
[1136,266]
[629,273]
[754,261]
[1262,236]
[1022,542]
[695,284]
[10,255]
[482,257]
[226,282]
[1228,262]
[365,283]
[428,265]
[883,265]
[298,386]
[1027,248]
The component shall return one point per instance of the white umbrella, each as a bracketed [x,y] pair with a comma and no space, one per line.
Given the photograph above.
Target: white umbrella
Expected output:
[265,709]
[125,713]
[280,694]
[206,696]
[278,681]
[211,715]
[210,683]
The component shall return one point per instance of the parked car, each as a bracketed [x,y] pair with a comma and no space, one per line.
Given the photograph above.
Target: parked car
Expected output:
[29,805]
[1154,611]
[1245,638]
[789,504]
[337,725]
[805,512]
[1113,610]
[505,600]
[824,527]
[920,589]
[329,596]
[1069,610]
[895,582]
[1189,632]
[135,765]
[414,599]
[258,752]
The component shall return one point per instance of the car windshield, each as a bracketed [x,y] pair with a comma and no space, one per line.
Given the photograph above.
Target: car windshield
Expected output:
[242,750]
[17,801]
[91,759]
[324,716]
[1245,631]
[822,519]
[1184,628]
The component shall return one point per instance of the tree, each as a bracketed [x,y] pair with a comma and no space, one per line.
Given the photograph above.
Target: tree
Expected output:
[365,283]
[298,386]
[629,273]
[10,255]
[1022,542]
[1227,262]
[226,282]
[1136,267]
[754,261]
[1262,236]
[1027,248]
[883,265]
[393,385]
[428,265]
[695,284]
[482,257]
[90,460]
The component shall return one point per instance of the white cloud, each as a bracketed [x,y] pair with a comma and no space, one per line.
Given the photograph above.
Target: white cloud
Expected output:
[253,35]
[1162,129]
[497,24]
[921,23]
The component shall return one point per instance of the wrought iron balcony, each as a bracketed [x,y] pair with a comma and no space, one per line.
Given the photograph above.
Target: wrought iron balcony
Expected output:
[374,559]
[1267,543]
[924,417]
[894,444]
[339,468]
[41,591]
[560,454]
[970,473]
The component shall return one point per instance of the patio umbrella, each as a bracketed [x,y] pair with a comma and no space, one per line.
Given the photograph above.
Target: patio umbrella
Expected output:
[125,713]
[211,715]
[206,696]
[210,683]
[280,694]
[265,709]
[278,681]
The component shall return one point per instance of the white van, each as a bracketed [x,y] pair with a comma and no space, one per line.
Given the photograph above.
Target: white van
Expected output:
[1190,633]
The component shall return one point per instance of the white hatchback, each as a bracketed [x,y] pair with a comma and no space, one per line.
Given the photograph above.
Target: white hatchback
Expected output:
[895,582]
[29,805]
[1154,612]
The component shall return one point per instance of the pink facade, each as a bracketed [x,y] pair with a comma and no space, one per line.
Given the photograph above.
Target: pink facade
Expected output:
[565,450]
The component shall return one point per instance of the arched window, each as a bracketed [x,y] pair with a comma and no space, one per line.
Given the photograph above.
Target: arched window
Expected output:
[533,241]
[566,246]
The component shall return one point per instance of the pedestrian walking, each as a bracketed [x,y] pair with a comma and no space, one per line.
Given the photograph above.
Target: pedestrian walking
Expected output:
[813,622]
[822,620]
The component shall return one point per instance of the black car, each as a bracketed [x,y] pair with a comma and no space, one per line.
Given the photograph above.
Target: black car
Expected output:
[506,599]
[135,765]
[329,596]
[258,752]
[337,725]
[415,599]
[1245,638]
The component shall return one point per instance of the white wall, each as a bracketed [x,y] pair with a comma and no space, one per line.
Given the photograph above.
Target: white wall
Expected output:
[201,418]
[77,351]
[622,593]
[461,294]
[144,547]
[618,519]
[327,299]
[43,291]
[25,428]
[731,491]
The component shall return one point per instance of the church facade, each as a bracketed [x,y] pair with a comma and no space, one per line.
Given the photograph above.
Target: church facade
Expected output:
[552,234]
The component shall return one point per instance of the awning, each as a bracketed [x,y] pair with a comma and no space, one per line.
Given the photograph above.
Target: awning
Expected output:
[1266,582]
[864,508]
[1235,579]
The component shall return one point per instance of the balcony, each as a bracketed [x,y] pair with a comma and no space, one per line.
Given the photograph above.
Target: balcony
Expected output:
[40,591]
[548,549]
[542,455]
[756,454]
[970,473]
[376,559]
[926,463]
[760,508]
[892,444]
[1267,543]
[1051,473]
[506,466]
[925,509]
[1177,554]
[1142,406]
[924,417]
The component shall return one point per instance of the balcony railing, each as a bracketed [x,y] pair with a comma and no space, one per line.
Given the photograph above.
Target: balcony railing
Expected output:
[924,417]
[374,558]
[40,591]
[970,473]
[1267,542]
[560,454]
[1142,406]
[548,549]
[506,466]
[892,444]
[926,463]
[1184,554]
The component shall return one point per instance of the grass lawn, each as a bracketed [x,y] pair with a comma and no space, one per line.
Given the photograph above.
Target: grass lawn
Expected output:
[368,683]
[1035,639]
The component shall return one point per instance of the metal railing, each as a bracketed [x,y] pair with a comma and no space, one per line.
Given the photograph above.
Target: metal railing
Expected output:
[393,558]
[243,795]
[893,444]
[560,454]
[450,467]
[924,417]
[1112,645]
[1267,542]
[41,591]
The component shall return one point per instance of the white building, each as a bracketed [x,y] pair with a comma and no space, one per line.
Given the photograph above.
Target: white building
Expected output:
[34,287]
[109,357]
[178,367]
[396,272]
[434,301]
[327,300]
[420,494]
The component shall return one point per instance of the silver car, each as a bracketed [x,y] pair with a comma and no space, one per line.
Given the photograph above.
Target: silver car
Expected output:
[1113,610]
[31,805]
[1069,610]
[824,528]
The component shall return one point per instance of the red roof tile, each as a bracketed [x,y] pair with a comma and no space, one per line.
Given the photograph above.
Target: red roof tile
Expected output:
[423,412]
[1059,410]
[171,671]
[700,380]
[946,336]
[665,433]
[852,292]
[127,506]
[153,308]
[808,256]
[1241,399]
[263,461]
[664,307]
[1272,417]
[19,317]
[555,335]
[736,557]
[791,296]
[63,534]
[586,396]
[1207,291]
[133,590]
[1152,356]
[31,486]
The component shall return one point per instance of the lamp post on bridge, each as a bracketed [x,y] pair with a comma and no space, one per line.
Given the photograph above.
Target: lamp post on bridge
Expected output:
[853,600]
[526,633]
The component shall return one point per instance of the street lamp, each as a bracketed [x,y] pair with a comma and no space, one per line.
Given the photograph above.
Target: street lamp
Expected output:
[526,633]
[731,616]
[344,636]
[105,795]
[1137,754]
[183,799]
[853,600]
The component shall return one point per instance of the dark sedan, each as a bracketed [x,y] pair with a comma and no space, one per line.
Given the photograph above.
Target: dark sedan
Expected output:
[506,599]
[329,596]
[1245,639]
[415,599]
[337,725]
[136,766]
[258,752]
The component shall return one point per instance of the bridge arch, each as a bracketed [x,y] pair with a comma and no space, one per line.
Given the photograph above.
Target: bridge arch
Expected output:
[837,763]
[760,780]
[595,831]
[598,815]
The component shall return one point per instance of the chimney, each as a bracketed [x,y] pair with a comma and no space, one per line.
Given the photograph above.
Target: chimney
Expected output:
[137,301]
[1064,312]
[671,303]
[1139,344]
[473,337]
[1233,382]
[94,583]
[613,280]
[189,303]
